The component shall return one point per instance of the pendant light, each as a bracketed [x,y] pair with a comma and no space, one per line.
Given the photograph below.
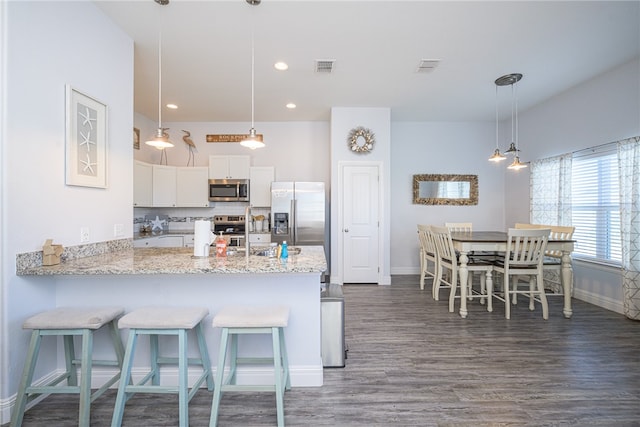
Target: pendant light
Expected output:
[161,138]
[252,141]
[511,80]
[497,155]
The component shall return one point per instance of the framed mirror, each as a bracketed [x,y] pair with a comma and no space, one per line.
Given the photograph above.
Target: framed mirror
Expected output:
[445,189]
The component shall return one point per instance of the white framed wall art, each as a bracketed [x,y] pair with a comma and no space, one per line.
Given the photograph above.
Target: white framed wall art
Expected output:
[86,140]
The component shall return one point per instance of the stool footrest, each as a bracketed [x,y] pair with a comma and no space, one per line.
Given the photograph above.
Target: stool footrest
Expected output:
[254,360]
[174,361]
[97,362]
[237,387]
[152,389]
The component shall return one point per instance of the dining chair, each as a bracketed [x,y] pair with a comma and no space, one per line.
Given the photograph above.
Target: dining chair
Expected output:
[447,259]
[524,257]
[467,227]
[428,255]
[459,227]
[553,257]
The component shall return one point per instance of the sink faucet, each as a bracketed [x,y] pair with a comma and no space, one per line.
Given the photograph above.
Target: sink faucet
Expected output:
[247,219]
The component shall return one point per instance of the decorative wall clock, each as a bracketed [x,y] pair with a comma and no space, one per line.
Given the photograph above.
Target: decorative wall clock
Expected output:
[361,140]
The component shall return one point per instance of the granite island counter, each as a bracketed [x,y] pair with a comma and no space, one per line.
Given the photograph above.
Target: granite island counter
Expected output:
[140,277]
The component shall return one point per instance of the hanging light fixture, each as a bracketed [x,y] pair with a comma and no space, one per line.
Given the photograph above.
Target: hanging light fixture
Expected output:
[497,155]
[252,141]
[161,138]
[511,80]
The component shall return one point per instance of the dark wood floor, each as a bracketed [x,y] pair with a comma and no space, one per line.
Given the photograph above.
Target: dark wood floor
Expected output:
[412,363]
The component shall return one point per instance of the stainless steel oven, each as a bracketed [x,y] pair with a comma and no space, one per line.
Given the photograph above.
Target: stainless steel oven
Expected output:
[229,190]
[232,226]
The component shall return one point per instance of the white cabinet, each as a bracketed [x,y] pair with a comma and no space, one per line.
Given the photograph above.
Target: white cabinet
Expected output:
[142,184]
[260,238]
[192,187]
[160,242]
[188,240]
[170,186]
[260,179]
[164,186]
[229,167]
[170,241]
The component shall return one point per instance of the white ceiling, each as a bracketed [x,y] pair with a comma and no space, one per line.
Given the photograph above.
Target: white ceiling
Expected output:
[377,46]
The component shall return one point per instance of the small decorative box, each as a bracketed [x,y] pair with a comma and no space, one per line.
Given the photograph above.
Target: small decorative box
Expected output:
[51,253]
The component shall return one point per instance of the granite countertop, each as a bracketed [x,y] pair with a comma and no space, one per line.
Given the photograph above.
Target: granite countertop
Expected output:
[311,259]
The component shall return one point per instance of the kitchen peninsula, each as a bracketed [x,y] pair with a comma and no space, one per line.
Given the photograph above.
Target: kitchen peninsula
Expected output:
[139,277]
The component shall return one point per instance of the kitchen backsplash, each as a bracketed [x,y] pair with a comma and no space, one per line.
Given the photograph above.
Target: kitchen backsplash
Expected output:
[182,219]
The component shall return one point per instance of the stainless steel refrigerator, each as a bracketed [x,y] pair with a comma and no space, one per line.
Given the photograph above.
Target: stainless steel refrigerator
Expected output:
[298,213]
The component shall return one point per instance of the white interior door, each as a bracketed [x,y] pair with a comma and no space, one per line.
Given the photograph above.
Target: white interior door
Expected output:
[361,225]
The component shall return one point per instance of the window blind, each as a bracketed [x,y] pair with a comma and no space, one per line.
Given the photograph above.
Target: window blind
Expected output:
[595,205]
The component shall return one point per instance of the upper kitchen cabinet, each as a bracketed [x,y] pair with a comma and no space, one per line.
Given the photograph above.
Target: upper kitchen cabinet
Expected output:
[170,186]
[164,186]
[192,186]
[142,184]
[260,179]
[229,167]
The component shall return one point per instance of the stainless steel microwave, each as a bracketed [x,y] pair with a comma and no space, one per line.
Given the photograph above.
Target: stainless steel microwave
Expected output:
[229,190]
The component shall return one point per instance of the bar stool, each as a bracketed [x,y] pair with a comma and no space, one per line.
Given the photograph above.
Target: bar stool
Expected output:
[155,321]
[251,320]
[68,322]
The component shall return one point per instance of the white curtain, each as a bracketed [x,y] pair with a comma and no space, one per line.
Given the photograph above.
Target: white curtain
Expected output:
[629,166]
[551,191]
[551,200]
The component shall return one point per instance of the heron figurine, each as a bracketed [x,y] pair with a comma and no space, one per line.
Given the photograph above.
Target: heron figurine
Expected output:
[191,145]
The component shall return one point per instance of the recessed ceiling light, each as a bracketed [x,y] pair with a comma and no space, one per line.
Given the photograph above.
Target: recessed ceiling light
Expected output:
[291,105]
[281,66]
[172,106]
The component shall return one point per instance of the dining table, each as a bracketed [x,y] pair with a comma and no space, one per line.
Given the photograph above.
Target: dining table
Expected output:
[496,241]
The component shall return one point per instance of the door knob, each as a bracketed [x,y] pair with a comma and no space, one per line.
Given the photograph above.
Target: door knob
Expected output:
[346,230]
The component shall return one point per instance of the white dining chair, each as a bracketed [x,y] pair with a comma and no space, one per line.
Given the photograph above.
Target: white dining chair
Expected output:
[553,258]
[459,227]
[524,257]
[448,260]
[428,256]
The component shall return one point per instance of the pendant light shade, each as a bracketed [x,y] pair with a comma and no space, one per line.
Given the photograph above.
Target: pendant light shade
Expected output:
[252,141]
[517,164]
[161,138]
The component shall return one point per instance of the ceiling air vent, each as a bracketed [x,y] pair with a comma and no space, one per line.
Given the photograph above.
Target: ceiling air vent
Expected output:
[427,65]
[324,65]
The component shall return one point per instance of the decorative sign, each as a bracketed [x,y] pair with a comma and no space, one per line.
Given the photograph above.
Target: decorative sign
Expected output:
[230,138]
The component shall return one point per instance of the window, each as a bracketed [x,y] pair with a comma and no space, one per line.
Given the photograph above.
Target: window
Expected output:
[595,205]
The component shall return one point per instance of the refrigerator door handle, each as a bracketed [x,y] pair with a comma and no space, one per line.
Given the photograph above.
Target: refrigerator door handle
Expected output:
[294,229]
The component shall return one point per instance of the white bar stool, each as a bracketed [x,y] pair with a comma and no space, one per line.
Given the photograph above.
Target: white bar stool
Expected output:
[238,320]
[68,322]
[155,321]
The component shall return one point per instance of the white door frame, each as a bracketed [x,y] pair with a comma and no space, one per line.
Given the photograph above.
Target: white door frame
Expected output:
[339,235]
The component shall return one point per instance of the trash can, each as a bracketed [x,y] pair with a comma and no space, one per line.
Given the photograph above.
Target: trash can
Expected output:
[332,324]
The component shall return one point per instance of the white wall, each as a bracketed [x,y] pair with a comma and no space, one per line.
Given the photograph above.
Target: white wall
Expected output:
[377,120]
[299,151]
[49,45]
[604,109]
[440,148]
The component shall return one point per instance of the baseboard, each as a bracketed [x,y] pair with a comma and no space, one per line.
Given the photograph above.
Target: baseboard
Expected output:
[6,405]
[301,376]
[404,271]
[599,300]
